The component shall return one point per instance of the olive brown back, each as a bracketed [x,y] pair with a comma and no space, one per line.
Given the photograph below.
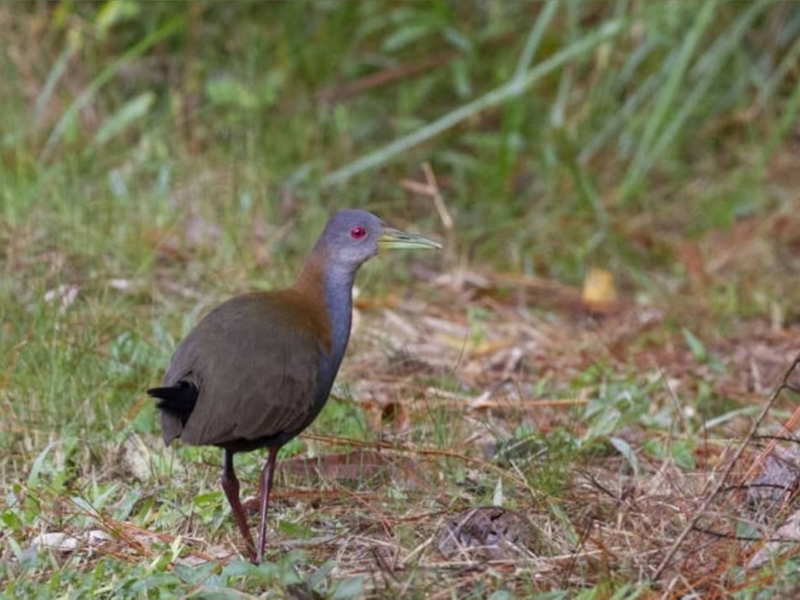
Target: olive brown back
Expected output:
[254,362]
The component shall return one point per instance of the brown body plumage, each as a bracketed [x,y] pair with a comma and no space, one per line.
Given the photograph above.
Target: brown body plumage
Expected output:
[277,336]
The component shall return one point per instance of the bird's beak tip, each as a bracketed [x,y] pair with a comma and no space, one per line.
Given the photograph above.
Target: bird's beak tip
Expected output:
[395,238]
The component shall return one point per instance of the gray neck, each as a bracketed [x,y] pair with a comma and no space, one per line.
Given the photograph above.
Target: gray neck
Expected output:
[338,290]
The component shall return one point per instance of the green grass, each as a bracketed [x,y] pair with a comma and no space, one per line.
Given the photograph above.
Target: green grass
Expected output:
[157,158]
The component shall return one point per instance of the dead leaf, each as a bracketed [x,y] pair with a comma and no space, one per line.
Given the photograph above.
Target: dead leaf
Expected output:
[64,294]
[598,289]
[786,534]
[135,455]
[57,541]
[691,256]
[64,543]
[778,478]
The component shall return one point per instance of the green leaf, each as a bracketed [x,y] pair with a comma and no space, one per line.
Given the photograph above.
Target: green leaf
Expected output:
[113,12]
[294,530]
[124,508]
[405,36]
[194,575]
[696,347]
[624,448]
[265,573]
[321,573]
[129,113]
[683,454]
[38,465]
[604,424]
[11,520]
[212,590]
[209,498]
[100,500]
[349,589]
[458,39]
[230,92]
[461,78]
[497,497]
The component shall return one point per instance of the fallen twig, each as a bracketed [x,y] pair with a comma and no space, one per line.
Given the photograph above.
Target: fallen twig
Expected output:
[692,524]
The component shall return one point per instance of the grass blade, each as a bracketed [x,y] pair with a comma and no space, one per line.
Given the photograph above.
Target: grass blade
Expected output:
[103,78]
[668,96]
[515,87]
[535,38]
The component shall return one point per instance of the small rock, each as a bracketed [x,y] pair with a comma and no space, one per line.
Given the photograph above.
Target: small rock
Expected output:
[777,480]
[64,294]
[119,283]
[96,537]
[488,532]
[56,541]
[136,457]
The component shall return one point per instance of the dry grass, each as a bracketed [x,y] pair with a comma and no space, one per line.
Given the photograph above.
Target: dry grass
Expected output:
[470,386]
[380,508]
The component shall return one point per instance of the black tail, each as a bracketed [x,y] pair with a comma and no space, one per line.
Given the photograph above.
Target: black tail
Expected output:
[178,400]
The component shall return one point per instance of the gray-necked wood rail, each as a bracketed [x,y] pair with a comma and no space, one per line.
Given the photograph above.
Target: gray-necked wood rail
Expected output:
[257,370]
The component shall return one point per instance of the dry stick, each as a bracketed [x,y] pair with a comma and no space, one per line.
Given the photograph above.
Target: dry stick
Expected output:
[342,92]
[534,404]
[513,88]
[750,435]
[786,429]
[431,189]
[436,195]
[345,91]
[389,448]
[449,592]
[122,530]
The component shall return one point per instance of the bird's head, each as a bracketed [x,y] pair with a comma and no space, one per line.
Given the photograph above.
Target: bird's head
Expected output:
[352,237]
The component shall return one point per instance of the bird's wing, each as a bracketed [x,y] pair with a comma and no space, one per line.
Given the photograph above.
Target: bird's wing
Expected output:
[254,363]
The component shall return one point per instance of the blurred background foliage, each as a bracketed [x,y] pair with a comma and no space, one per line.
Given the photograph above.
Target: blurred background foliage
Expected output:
[561,134]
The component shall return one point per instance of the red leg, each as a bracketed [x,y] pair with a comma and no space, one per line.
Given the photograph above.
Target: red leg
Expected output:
[231,486]
[252,506]
[266,486]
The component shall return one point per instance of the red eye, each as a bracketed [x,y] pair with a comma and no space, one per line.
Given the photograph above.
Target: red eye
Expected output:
[358,232]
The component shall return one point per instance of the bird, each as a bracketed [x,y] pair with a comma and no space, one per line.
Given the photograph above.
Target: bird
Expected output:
[258,369]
